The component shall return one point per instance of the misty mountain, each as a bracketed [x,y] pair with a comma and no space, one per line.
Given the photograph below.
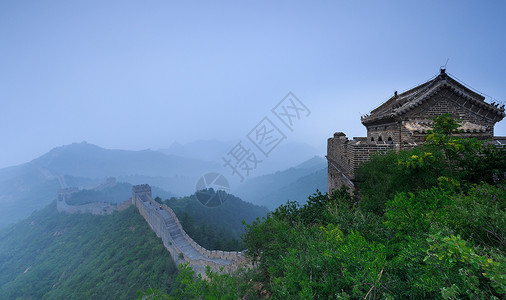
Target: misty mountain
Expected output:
[178,185]
[110,193]
[30,186]
[284,156]
[206,150]
[87,160]
[294,184]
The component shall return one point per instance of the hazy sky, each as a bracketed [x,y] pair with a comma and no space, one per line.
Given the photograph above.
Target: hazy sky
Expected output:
[142,74]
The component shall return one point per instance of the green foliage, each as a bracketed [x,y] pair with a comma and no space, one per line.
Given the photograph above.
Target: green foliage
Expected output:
[430,224]
[489,165]
[444,154]
[208,236]
[378,180]
[410,214]
[191,286]
[215,228]
[302,251]
[55,255]
[480,215]
[478,275]
[322,263]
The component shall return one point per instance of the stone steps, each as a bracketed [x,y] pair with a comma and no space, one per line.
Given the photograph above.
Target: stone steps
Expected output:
[178,237]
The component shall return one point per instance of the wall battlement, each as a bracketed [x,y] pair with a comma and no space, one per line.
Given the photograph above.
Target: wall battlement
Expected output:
[164,222]
[403,122]
[95,208]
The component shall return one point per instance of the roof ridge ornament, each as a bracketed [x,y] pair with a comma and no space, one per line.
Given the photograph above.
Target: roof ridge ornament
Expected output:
[443,74]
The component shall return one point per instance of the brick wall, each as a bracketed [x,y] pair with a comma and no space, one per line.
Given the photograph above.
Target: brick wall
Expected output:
[344,157]
[148,208]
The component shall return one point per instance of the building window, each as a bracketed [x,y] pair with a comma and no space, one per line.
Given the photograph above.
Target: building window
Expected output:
[372,139]
[389,141]
[380,139]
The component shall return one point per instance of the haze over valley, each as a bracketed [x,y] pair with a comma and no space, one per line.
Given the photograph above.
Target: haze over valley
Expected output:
[33,185]
[252,149]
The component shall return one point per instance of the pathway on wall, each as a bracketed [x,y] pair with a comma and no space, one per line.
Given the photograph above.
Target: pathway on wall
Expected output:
[178,237]
[181,246]
[94,208]
[164,222]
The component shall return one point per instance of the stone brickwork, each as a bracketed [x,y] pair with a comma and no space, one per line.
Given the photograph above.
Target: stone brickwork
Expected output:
[403,122]
[164,222]
[344,156]
[182,248]
[95,208]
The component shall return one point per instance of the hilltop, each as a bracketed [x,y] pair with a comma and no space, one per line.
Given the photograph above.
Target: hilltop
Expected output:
[30,186]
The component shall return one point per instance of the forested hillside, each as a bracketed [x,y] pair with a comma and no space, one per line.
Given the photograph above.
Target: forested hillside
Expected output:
[429,223]
[55,255]
[215,228]
[33,185]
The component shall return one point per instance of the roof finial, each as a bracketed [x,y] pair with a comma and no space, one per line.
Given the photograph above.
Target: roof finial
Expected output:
[443,68]
[443,73]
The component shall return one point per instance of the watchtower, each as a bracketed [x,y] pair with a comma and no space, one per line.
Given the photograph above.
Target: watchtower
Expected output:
[403,121]
[142,191]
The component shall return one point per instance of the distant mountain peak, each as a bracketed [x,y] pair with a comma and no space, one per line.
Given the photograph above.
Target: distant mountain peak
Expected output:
[312,162]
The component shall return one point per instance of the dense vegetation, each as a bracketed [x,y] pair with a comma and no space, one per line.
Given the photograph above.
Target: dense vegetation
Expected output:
[429,223]
[55,255]
[215,228]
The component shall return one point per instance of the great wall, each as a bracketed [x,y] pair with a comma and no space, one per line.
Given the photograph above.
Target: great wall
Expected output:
[164,222]
[405,120]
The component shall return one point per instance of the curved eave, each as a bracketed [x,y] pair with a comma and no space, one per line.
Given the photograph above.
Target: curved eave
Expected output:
[371,119]
[376,121]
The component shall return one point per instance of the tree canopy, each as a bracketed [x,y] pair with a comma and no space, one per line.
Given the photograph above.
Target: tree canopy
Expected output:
[426,223]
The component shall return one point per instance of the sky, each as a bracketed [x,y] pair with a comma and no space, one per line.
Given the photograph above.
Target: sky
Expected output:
[143,74]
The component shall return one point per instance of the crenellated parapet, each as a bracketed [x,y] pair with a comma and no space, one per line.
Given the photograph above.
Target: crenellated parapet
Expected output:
[405,120]
[95,208]
[164,222]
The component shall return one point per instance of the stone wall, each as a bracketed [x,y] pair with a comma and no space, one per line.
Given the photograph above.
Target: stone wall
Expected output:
[386,133]
[157,224]
[164,222]
[404,121]
[95,208]
[344,156]
[445,101]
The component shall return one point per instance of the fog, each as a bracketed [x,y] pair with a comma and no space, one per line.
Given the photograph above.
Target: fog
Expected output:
[131,75]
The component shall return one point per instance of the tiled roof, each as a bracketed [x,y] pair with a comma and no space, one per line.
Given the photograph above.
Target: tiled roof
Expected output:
[426,125]
[500,140]
[404,102]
